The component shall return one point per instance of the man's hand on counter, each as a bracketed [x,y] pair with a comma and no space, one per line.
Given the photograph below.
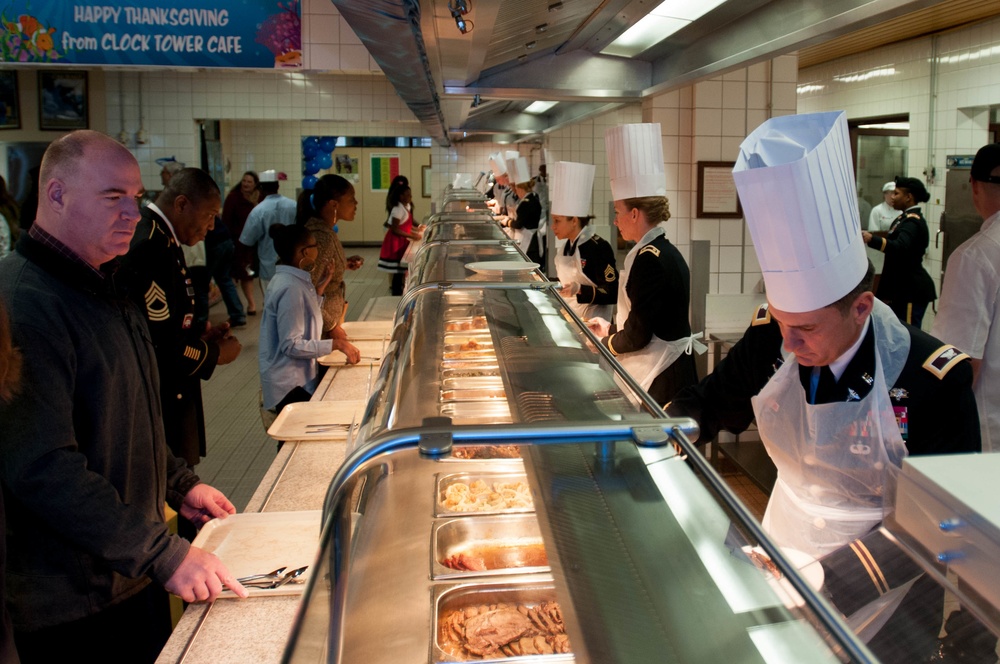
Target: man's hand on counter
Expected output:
[201,576]
[204,503]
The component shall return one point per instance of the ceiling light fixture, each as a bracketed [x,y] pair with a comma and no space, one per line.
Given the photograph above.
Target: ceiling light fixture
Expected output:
[539,107]
[664,20]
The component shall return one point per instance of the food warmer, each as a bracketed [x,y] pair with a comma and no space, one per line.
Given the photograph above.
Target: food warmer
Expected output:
[483,217]
[447,230]
[511,494]
[453,262]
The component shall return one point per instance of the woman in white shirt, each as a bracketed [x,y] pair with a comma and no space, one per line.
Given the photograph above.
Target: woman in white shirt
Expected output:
[397,238]
[291,329]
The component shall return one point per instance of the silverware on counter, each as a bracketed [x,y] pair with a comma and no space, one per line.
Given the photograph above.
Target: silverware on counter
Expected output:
[270,575]
[272,581]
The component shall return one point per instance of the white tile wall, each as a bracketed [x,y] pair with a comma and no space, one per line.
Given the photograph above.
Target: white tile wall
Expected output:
[946,84]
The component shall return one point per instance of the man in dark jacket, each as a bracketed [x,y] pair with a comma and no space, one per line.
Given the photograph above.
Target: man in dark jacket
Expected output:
[83,460]
[160,283]
[905,285]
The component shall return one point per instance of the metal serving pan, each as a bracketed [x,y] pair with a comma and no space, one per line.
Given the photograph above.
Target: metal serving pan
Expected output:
[452,605]
[483,370]
[510,544]
[514,495]
[493,382]
[477,394]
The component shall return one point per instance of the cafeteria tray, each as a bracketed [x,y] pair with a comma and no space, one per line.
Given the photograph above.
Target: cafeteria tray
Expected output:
[508,534]
[301,421]
[258,542]
[515,485]
[365,329]
[371,353]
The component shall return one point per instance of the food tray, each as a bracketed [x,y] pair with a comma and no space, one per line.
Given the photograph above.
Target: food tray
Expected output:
[449,396]
[495,453]
[466,324]
[484,353]
[515,539]
[485,363]
[514,490]
[477,412]
[258,542]
[449,600]
[475,371]
[473,383]
[294,419]
[368,329]
[371,353]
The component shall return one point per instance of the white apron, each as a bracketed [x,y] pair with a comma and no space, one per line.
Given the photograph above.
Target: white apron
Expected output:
[570,271]
[646,364]
[838,462]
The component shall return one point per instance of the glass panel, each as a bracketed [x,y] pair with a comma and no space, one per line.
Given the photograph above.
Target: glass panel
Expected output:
[880,159]
[448,263]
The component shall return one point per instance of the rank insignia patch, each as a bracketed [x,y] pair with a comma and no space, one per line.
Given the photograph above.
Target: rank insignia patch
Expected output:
[651,250]
[762,316]
[943,359]
[156,303]
[609,273]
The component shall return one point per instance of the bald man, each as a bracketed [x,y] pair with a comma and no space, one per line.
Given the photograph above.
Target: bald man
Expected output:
[83,457]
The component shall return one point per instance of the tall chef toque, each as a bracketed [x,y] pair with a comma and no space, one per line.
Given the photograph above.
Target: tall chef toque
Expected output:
[498,164]
[635,161]
[570,189]
[795,179]
[518,170]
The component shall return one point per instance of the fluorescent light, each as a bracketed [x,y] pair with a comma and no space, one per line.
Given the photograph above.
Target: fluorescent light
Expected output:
[878,72]
[540,107]
[887,125]
[666,19]
[809,87]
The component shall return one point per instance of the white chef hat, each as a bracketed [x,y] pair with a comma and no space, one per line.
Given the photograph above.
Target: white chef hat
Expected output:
[570,189]
[498,163]
[888,186]
[548,157]
[268,176]
[463,180]
[795,179]
[635,161]
[518,169]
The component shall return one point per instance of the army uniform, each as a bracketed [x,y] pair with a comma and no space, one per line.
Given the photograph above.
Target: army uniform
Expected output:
[658,287]
[597,262]
[905,284]
[158,281]
[933,400]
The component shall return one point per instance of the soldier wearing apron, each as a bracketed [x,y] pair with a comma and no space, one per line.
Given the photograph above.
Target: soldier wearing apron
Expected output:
[527,226]
[585,263]
[651,336]
[841,390]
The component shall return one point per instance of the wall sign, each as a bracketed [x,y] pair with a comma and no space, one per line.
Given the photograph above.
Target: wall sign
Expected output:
[717,195]
[174,33]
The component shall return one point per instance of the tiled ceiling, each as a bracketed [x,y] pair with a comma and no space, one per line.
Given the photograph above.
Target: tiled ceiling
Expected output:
[937,18]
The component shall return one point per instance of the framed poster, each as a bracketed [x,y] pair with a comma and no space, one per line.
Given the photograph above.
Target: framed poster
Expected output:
[425,181]
[10,106]
[717,195]
[62,100]
[385,167]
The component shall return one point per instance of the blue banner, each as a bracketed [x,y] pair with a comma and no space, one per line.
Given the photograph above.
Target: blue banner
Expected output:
[172,33]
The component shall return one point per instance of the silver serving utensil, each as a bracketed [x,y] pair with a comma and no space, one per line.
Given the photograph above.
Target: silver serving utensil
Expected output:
[270,575]
[289,577]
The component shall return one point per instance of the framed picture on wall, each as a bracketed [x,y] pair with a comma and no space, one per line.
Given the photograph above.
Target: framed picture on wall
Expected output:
[717,197]
[425,181]
[10,104]
[62,100]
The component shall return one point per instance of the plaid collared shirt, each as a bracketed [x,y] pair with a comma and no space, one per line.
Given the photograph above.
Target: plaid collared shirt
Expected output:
[40,235]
